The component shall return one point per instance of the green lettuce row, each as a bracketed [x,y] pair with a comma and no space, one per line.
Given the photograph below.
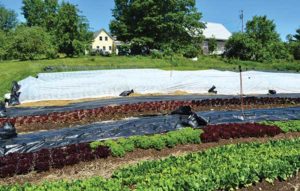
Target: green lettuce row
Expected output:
[120,146]
[224,168]
[285,126]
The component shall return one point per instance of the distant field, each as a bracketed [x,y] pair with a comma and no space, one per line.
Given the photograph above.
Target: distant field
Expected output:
[16,70]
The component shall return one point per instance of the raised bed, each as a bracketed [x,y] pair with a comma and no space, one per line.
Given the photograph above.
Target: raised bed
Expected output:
[43,160]
[85,116]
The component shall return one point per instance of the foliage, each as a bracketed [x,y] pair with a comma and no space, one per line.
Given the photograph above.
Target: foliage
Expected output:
[71,31]
[232,165]
[212,45]
[4,43]
[43,160]
[213,133]
[223,168]
[30,43]
[61,20]
[124,50]
[40,13]
[296,51]
[286,126]
[121,146]
[297,35]
[156,54]
[260,42]
[155,23]
[191,52]
[8,19]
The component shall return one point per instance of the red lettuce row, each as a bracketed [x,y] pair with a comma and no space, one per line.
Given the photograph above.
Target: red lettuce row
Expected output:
[214,133]
[43,160]
[111,112]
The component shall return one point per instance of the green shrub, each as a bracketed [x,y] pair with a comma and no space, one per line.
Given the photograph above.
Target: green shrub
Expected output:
[156,54]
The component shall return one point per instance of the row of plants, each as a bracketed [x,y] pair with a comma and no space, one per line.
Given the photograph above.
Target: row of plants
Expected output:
[63,119]
[214,133]
[120,146]
[223,168]
[42,160]
[286,126]
[210,133]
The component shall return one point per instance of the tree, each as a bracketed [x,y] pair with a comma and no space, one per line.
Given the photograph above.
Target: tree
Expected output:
[294,44]
[71,32]
[297,35]
[40,13]
[260,42]
[8,19]
[31,43]
[3,45]
[212,45]
[155,23]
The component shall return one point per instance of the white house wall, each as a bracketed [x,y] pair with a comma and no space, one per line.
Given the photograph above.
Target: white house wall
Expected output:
[104,45]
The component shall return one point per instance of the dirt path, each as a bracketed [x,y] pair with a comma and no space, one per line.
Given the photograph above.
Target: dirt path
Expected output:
[105,167]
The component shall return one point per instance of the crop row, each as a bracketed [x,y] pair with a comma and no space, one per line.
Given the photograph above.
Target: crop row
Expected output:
[286,126]
[57,119]
[43,160]
[224,168]
[58,157]
[213,133]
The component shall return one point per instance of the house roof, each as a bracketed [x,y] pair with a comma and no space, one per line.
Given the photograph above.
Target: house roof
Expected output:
[98,32]
[217,31]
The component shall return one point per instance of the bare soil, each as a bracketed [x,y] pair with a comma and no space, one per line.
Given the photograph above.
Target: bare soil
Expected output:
[106,167]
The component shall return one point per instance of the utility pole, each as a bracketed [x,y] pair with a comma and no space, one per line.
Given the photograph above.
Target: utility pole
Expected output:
[241,92]
[242,19]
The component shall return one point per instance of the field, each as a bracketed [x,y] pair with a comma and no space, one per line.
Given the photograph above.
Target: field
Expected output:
[16,70]
[140,144]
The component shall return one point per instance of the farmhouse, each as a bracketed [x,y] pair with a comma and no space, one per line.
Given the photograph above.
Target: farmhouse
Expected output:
[104,42]
[217,31]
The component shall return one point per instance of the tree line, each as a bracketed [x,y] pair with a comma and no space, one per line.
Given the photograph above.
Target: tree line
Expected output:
[156,27]
[50,28]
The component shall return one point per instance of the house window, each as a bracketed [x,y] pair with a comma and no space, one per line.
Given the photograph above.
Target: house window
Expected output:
[106,38]
[109,47]
[98,47]
[100,38]
[104,48]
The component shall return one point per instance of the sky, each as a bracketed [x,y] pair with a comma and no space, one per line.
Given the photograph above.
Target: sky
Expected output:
[285,13]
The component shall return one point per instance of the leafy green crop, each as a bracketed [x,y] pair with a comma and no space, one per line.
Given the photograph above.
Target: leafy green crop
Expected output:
[224,168]
[286,126]
[121,146]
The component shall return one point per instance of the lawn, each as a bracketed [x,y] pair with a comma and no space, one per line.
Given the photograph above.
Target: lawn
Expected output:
[17,70]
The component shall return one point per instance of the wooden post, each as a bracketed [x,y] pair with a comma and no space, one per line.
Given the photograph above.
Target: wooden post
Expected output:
[241,91]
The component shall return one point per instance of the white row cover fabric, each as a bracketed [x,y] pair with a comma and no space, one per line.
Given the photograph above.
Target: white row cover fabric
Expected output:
[110,83]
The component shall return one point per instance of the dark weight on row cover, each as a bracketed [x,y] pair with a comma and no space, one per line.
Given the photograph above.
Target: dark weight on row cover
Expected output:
[188,118]
[126,93]
[2,110]
[8,131]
